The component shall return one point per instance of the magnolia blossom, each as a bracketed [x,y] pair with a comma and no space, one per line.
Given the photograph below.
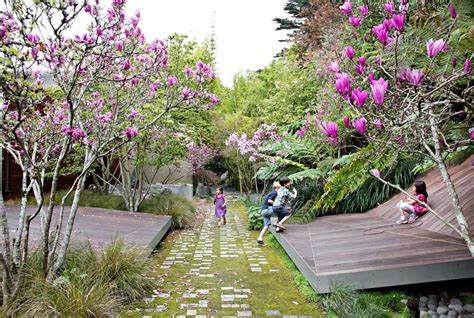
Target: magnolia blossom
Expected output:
[415,77]
[376,173]
[330,129]
[360,125]
[349,52]
[346,8]
[334,67]
[364,10]
[472,134]
[389,7]
[379,87]
[355,21]
[362,60]
[467,66]
[343,84]
[382,33]
[378,123]
[434,47]
[346,121]
[359,96]
[454,62]
[452,10]
[170,81]
[130,132]
[378,60]
[398,21]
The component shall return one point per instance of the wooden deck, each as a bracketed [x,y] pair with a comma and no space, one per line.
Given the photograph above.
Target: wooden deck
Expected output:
[370,250]
[100,226]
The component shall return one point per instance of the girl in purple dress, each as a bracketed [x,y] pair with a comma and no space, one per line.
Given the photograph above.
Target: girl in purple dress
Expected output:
[220,202]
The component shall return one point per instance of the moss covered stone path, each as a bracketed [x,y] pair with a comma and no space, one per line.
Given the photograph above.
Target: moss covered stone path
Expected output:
[212,271]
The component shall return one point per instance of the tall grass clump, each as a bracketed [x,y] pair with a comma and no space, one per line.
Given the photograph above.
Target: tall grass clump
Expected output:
[91,283]
[179,208]
[344,301]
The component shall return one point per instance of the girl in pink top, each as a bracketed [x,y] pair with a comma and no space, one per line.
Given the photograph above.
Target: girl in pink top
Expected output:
[412,209]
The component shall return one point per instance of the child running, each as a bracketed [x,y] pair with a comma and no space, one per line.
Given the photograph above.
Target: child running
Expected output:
[281,205]
[411,210]
[267,212]
[221,208]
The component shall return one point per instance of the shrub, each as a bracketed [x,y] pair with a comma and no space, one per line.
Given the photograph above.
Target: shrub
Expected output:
[254,220]
[90,283]
[179,208]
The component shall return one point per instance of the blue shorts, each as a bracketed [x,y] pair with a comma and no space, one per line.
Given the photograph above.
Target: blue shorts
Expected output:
[267,214]
[280,212]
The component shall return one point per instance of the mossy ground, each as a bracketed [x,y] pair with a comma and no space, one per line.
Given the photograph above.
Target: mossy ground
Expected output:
[272,288]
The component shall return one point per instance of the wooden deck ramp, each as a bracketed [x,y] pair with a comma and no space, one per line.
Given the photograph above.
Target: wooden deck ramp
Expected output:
[369,250]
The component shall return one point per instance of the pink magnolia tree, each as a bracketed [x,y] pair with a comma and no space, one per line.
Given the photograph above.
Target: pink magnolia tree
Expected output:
[104,78]
[395,104]
[253,149]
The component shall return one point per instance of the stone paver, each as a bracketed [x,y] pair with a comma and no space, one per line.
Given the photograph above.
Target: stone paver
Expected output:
[207,272]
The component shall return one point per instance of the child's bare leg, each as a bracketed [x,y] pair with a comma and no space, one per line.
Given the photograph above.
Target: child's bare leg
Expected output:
[284,219]
[224,220]
[262,233]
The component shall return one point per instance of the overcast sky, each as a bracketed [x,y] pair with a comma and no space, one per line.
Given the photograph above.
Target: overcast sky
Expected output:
[244,30]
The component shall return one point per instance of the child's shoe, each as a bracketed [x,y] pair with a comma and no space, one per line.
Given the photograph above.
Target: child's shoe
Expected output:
[403,220]
[412,218]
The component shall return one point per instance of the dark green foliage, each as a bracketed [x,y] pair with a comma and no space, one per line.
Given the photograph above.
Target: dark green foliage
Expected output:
[254,220]
[366,191]
[373,192]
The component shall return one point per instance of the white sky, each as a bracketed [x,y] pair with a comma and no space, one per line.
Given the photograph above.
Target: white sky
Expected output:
[245,33]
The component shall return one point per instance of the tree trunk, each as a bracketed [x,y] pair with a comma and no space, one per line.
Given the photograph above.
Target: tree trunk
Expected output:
[6,249]
[21,219]
[460,218]
[70,224]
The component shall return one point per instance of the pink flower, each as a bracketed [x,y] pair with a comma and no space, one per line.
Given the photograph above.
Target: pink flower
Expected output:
[78,133]
[472,134]
[378,123]
[133,113]
[329,129]
[467,66]
[359,69]
[130,132]
[376,173]
[186,92]
[170,81]
[415,77]
[454,62]
[364,10]
[126,65]
[378,60]
[389,7]
[214,99]
[434,47]
[350,52]
[452,10]
[382,33]
[398,22]
[359,96]
[334,67]
[120,46]
[346,121]
[362,60]
[346,8]
[379,87]
[343,84]
[359,125]
[355,21]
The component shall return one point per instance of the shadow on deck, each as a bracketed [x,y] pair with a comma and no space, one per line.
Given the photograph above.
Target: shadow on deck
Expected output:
[369,250]
[100,226]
